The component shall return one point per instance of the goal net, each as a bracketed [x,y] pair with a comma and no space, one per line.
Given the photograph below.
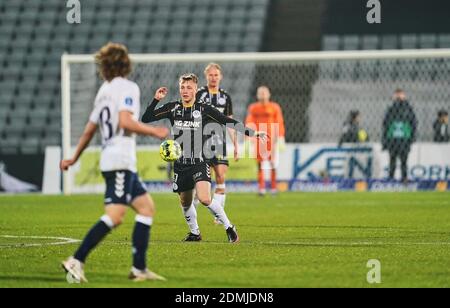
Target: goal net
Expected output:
[318,92]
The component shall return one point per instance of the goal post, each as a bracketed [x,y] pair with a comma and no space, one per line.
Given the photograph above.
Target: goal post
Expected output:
[315,89]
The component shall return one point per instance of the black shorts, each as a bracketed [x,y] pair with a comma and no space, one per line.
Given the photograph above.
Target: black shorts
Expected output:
[218,154]
[216,161]
[186,176]
[122,187]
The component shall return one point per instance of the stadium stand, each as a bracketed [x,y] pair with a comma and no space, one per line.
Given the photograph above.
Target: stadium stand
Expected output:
[35,34]
[352,83]
[385,41]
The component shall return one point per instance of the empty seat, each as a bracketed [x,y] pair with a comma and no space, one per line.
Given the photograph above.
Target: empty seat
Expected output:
[51,141]
[235,26]
[427,41]
[4,110]
[29,16]
[9,19]
[39,112]
[16,126]
[6,30]
[351,42]
[181,14]
[389,42]
[408,41]
[30,146]
[444,41]
[9,145]
[331,42]
[36,124]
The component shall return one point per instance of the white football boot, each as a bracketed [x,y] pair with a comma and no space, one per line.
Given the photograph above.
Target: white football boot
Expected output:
[75,268]
[147,275]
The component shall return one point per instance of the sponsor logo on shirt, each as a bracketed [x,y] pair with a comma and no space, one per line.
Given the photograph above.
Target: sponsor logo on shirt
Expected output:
[196,114]
[187,124]
[222,101]
[129,101]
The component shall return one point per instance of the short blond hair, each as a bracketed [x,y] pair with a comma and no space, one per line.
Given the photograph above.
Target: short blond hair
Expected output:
[189,77]
[211,66]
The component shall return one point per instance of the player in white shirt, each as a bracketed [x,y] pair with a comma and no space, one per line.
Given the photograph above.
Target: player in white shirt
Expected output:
[116,112]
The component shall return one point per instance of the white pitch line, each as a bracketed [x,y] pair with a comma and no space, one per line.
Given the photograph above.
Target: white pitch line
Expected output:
[344,244]
[60,241]
[356,243]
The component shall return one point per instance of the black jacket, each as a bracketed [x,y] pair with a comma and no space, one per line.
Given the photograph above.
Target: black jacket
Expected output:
[399,127]
[441,132]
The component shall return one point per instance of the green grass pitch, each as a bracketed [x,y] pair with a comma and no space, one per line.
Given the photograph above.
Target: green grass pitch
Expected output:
[294,240]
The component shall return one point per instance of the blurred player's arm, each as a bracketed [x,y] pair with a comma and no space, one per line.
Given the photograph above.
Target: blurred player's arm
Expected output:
[83,143]
[127,122]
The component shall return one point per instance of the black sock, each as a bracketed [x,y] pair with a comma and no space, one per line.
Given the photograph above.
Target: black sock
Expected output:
[141,238]
[92,239]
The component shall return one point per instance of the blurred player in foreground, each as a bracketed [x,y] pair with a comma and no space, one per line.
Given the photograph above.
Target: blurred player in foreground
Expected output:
[192,124]
[267,116]
[116,112]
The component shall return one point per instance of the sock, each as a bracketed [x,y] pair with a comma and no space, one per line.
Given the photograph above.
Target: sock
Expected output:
[191,218]
[224,199]
[217,210]
[220,199]
[94,237]
[195,202]
[274,180]
[141,238]
[261,180]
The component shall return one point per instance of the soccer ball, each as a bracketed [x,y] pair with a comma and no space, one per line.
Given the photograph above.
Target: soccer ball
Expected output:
[170,151]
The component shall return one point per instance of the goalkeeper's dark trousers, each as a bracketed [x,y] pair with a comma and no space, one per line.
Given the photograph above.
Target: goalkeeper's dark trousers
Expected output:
[403,154]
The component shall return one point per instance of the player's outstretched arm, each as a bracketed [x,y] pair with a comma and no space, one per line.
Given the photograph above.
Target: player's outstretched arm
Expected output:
[151,113]
[127,122]
[234,140]
[220,118]
[83,143]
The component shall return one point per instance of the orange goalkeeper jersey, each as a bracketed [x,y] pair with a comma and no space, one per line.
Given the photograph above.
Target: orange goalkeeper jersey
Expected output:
[268,118]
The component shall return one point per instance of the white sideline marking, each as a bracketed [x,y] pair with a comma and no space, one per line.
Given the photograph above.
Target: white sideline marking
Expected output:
[59,241]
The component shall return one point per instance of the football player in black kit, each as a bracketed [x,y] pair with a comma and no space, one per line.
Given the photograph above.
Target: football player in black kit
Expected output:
[218,98]
[193,124]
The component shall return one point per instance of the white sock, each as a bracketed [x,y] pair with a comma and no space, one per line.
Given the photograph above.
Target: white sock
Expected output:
[221,199]
[217,210]
[191,219]
[195,202]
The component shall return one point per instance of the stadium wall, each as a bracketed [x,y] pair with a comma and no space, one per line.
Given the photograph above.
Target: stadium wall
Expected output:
[305,167]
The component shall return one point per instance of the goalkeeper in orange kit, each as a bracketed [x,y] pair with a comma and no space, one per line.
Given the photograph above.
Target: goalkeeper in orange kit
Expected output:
[267,116]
